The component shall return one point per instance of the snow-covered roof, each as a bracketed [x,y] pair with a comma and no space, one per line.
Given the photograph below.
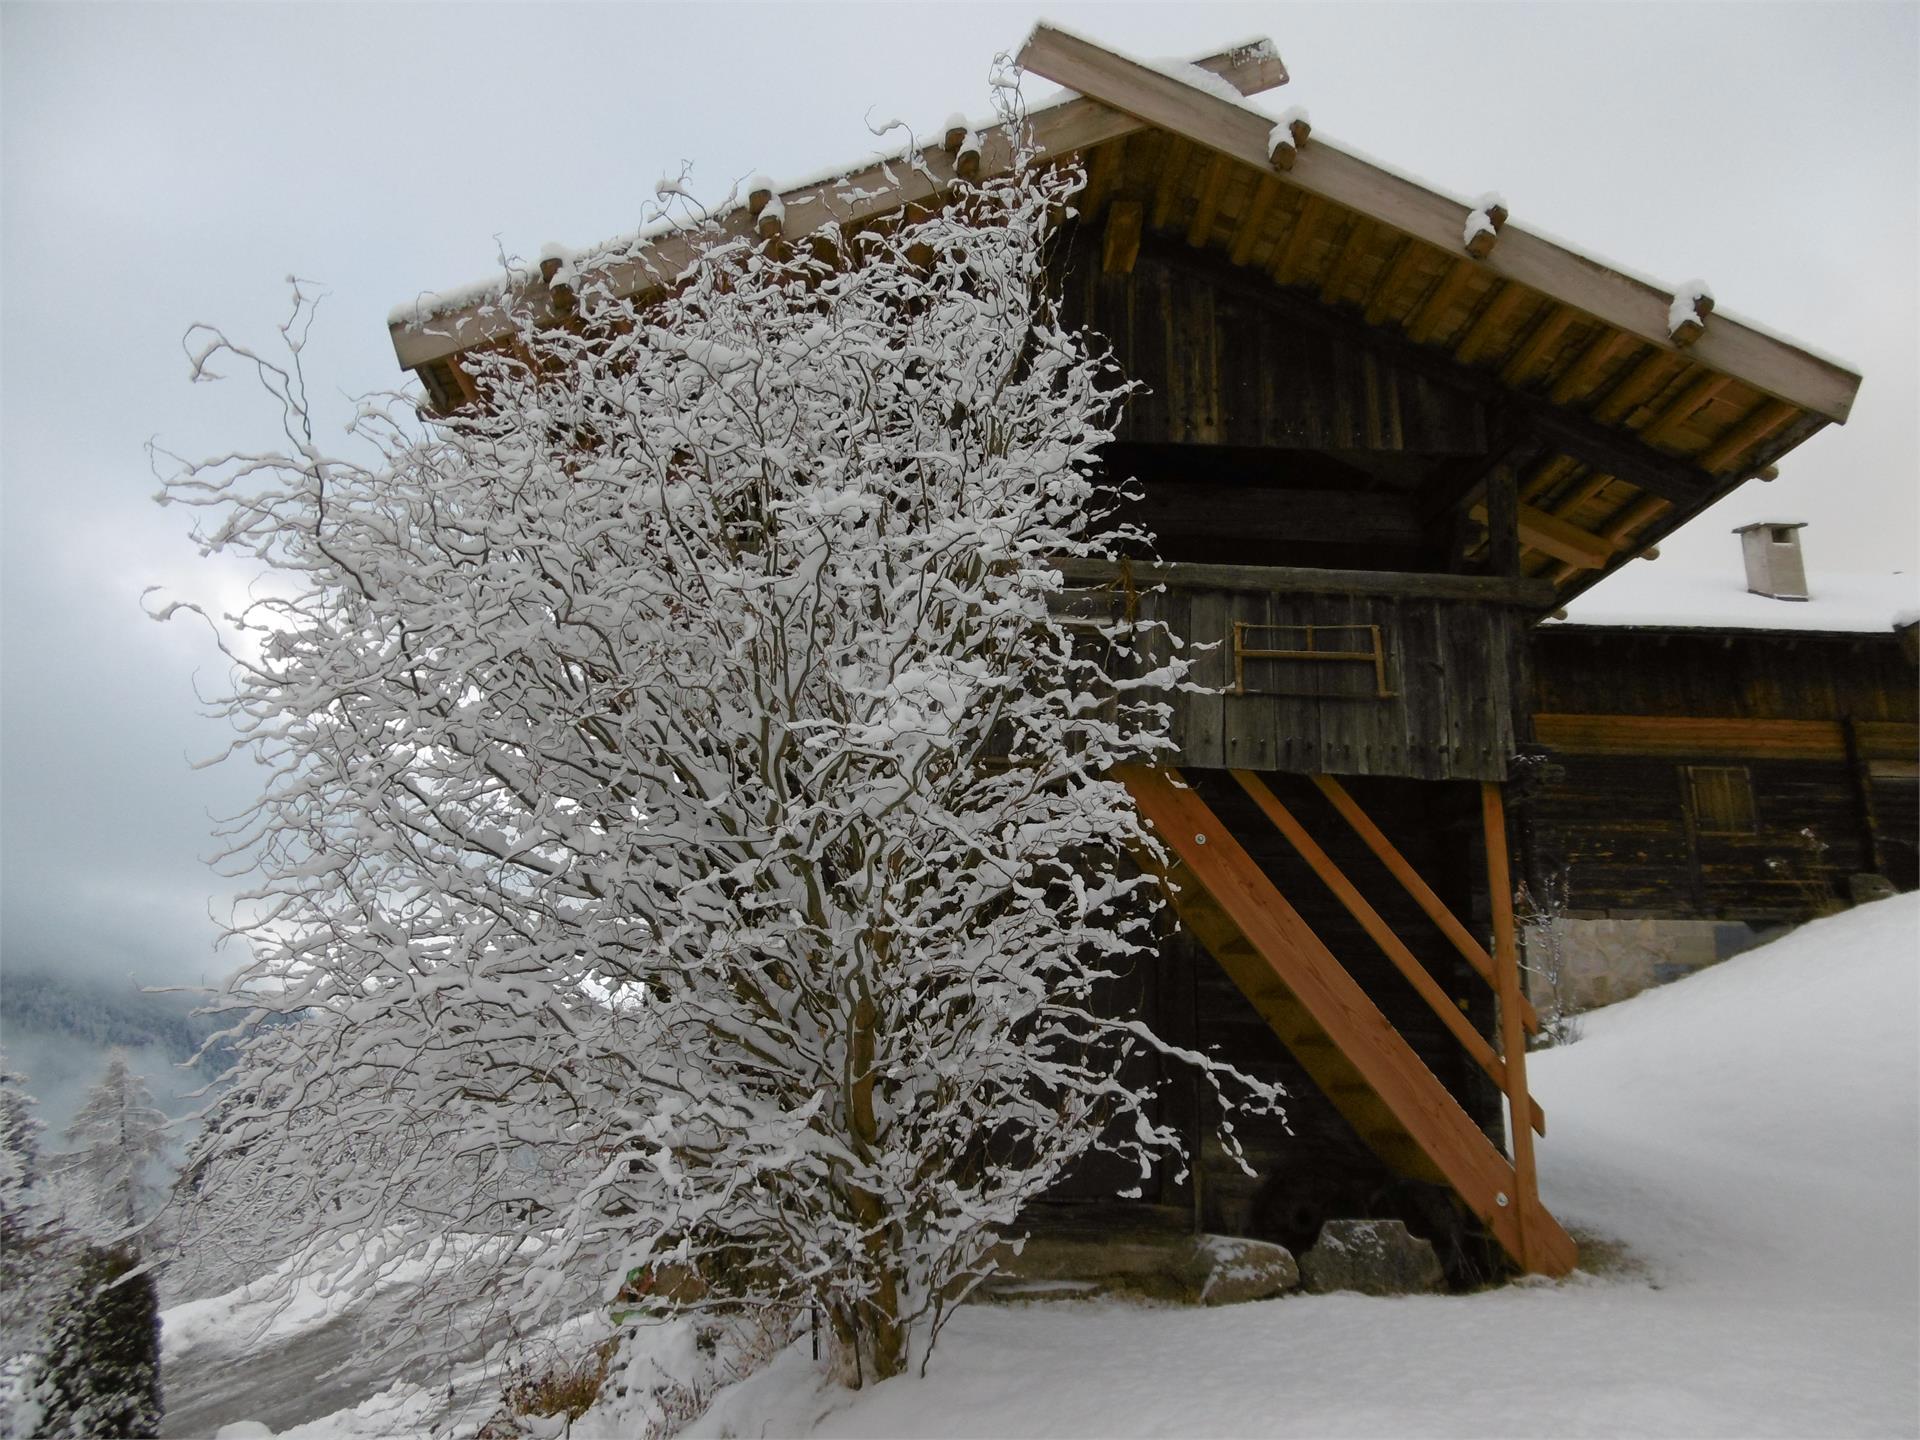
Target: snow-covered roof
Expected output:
[1646,596]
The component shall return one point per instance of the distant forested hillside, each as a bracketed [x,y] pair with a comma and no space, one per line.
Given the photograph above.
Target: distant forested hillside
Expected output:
[58,1029]
[103,1014]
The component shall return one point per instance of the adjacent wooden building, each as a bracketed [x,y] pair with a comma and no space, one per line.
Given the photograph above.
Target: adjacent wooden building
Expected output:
[1384,432]
[1712,763]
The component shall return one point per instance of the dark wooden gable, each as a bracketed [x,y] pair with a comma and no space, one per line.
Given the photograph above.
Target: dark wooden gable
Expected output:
[1220,362]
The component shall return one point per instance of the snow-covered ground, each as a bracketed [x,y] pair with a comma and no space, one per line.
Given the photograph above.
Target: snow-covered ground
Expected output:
[1749,1134]
[1748,1139]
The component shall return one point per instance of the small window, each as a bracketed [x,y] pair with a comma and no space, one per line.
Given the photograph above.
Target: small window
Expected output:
[1722,799]
[1782,534]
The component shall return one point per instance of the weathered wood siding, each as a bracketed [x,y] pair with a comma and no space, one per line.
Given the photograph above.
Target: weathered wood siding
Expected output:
[1746,673]
[1220,364]
[1447,665]
[1812,735]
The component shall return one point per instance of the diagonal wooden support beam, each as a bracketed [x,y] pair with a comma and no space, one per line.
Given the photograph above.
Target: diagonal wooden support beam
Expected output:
[1294,959]
[1550,535]
[1383,935]
[1436,909]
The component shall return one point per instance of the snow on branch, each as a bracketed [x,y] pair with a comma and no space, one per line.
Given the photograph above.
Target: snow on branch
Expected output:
[688,856]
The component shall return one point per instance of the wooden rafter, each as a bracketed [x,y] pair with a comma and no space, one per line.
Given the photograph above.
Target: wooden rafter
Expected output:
[1620,452]
[1380,298]
[1521,365]
[1638,385]
[1580,494]
[1104,164]
[1352,252]
[1500,308]
[1292,261]
[1432,313]
[1765,418]
[1545,475]
[1580,376]
[1253,227]
[1548,533]
[1681,408]
[1213,187]
[1172,180]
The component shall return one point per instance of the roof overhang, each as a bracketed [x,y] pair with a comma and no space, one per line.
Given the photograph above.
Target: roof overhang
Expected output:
[1638,406]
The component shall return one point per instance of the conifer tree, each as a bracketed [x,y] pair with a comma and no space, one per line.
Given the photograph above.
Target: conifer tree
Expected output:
[19,1176]
[118,1133]
[100,1372]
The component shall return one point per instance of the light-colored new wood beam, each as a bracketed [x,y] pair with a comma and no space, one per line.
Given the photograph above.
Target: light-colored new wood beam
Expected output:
[1384,850]
[1535,1248]
[1299,960]
[1619,532]
[1550,535]
[1663,426]
[1382,934]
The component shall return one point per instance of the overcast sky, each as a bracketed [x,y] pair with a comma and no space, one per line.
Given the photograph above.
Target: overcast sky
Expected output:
[165,164]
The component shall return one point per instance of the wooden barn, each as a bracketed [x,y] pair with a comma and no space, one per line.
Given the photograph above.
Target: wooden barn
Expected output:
[1717,756]
[1384,432]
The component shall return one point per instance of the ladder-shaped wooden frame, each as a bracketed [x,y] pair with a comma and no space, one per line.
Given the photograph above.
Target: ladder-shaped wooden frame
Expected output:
[1352,1051]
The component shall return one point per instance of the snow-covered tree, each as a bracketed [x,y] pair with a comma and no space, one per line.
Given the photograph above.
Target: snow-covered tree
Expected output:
[691,845]
[20,1218]
[118,1135]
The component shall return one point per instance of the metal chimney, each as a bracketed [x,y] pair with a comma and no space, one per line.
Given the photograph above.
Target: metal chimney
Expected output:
[1771,549]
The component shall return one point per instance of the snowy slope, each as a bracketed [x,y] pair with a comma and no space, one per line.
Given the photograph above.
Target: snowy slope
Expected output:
[1750,1134]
